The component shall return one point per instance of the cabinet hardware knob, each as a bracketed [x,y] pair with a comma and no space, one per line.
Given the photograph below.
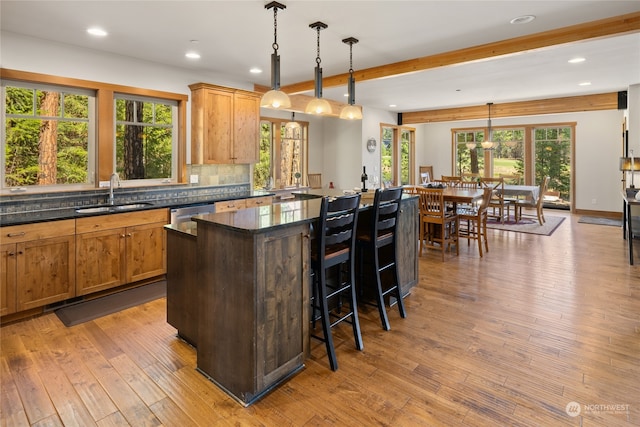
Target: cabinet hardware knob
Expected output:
[22,233]
[11,254]
[128,234]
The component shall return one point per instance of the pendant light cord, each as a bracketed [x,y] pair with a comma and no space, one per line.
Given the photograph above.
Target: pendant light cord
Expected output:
[275,30]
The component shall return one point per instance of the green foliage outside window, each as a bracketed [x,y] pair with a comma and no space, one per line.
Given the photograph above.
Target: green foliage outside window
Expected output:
[38,122]
[144,139]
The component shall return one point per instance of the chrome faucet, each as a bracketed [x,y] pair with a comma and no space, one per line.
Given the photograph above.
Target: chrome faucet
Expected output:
[112,181]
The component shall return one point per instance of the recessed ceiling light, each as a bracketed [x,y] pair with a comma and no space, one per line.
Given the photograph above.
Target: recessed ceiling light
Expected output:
[524,19]
[392,105]
[95,31]
[192,55]
[576,60]
[584,84]
[255,70]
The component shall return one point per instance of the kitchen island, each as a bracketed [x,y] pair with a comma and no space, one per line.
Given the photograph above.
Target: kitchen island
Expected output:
[252,290]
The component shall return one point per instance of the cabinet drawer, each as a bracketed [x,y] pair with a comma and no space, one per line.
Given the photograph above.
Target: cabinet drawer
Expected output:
[259,201]
[230,205]
[38,231]
[108,222]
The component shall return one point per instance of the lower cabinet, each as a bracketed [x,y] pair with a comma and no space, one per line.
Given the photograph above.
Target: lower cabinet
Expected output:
[38,265]
[116,249]
[408,244]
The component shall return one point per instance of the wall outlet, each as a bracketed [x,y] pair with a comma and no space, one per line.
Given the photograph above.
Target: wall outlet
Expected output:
[193,179]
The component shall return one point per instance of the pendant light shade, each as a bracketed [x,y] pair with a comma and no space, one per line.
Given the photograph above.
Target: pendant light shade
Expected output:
[275,98]
[318,105]
[351,112]
[487,144]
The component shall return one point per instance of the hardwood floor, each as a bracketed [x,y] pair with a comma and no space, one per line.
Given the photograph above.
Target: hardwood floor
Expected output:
[510,339]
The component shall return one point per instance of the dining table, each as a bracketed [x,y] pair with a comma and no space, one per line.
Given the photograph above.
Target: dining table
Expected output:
[527,192]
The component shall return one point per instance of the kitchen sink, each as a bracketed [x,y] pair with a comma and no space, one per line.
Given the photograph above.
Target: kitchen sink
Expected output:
[114,208]
[130,206]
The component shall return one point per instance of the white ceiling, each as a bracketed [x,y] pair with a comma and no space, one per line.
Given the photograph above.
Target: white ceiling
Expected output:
[234,36]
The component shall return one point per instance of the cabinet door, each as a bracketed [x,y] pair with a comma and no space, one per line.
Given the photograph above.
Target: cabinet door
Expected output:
[46,271]
[218,131]
[246,123]
[407,244]
[230,205]
[100,260]
[254,202]
[146,251]
[8,256]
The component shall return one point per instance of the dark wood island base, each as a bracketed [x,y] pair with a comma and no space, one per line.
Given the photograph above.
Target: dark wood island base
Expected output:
[245,305]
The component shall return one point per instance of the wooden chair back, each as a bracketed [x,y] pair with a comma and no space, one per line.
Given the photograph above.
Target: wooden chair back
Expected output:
[515,179]
[432,206]
[425,170]
[314,180]
[497,198]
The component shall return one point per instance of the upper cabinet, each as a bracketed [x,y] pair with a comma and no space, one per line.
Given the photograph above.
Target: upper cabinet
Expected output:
[225,125]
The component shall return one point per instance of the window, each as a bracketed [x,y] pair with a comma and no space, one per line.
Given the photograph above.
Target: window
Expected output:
[283,154]
[552,151]
[526,154]
[145,138]
[397,154]
[48,137]
[469,156]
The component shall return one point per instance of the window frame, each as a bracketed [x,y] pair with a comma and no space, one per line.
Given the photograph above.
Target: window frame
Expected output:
[396,153]
[91,121]
[174,140]
[105,126]
[276,153]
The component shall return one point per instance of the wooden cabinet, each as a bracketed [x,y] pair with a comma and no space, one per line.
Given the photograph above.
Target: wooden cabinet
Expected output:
[230,205]
[408,244]
[234,205]
[38,265]
[116,249]
[182,284]
[253,306]
[225,125]
[8,282]
[255,202]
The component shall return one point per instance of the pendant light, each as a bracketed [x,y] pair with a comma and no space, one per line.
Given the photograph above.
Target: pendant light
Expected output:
[318,105]
[275,98]
[487,144]
[351,112]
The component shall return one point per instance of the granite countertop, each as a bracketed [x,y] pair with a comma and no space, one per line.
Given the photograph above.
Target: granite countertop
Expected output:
[265,218]
[30,217]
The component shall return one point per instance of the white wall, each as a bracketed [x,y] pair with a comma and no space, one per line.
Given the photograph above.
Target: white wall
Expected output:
[598,149]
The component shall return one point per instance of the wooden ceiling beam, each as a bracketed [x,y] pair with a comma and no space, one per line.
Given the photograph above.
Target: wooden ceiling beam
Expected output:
[570,104]
[629,23]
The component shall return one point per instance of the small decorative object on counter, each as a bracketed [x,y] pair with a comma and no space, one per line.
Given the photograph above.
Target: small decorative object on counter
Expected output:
[331,184]
[364,179]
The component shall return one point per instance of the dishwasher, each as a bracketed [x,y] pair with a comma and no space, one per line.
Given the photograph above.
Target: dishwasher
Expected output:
[181,215]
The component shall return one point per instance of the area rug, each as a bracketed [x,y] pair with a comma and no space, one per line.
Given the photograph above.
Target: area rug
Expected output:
[528,225]
[89,310]
[600,221]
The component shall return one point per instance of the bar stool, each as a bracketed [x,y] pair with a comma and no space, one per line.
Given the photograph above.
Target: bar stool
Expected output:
[334,248]
[379,238]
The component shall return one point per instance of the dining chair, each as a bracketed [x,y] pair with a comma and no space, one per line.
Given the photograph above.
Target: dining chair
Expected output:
[438,225]
[473,222]
[314,180]
[498,203]
[410,189]
[334,248]
[470,176]
[537,204]
[378,243]
[514,178]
